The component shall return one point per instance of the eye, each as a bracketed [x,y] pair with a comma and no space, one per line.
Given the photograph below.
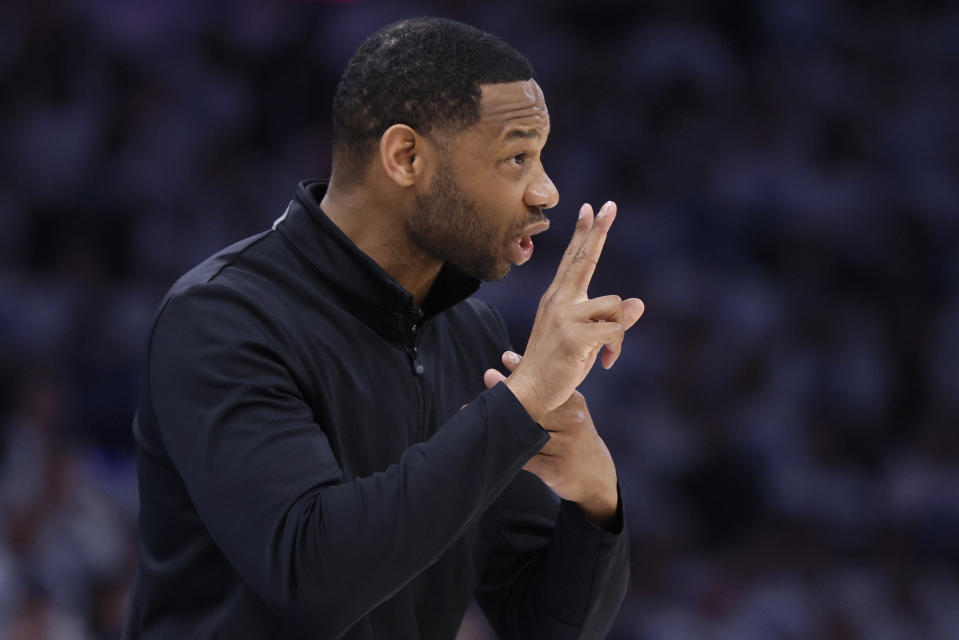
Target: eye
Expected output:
[519,158]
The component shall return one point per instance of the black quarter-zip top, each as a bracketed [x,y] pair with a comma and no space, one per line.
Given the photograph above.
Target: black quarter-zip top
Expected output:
[318,457]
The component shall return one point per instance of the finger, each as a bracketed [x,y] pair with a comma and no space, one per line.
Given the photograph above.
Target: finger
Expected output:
[540,463]
[553,448]
[611,352]
[630,312]
[612,349]
[583,263]
[595,335]
[492,377]
[605,317]
[602,308]
[511,360]
[583,224]
[561,422]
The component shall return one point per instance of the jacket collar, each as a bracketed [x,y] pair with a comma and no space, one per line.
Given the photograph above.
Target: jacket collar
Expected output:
[362,285]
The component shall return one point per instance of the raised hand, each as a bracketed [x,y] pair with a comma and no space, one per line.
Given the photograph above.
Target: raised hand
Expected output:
[570,329]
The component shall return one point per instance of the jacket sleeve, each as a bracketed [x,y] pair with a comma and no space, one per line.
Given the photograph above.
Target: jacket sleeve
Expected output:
[318,550]
[552,572]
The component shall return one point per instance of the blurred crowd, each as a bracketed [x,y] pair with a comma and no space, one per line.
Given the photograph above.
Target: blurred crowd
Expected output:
[785,418]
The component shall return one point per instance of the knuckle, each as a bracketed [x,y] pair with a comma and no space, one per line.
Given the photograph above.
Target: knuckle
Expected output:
[583,257]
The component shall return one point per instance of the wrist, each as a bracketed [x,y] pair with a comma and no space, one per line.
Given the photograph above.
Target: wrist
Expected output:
[526,397]
[602,507]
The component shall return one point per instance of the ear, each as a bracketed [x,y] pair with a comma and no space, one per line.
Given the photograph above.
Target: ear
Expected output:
[402,154]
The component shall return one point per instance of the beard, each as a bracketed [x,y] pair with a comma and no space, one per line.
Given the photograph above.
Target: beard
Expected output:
[448,226]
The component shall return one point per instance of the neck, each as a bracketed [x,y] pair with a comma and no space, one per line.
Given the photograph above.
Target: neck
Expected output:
[375,225]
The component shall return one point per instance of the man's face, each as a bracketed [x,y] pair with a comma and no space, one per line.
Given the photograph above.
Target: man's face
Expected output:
[486,197]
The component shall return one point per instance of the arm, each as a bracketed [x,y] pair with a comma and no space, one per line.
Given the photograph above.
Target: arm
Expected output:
[264,480]
[567,581]
[552,572]
[572,582]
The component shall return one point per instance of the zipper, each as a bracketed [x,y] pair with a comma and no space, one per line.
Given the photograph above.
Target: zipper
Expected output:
[418,370]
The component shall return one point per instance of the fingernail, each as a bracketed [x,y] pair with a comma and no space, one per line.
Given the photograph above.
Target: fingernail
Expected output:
[582,211]
[512,357]
[605,209]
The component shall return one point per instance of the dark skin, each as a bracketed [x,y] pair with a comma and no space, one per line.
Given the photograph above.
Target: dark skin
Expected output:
[497,168]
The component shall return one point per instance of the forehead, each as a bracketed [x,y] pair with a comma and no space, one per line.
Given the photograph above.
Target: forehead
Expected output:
[512,106]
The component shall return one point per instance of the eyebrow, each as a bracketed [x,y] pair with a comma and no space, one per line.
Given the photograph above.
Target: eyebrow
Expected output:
[522,134]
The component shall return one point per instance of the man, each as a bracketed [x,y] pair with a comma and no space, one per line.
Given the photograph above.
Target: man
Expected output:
[325,447]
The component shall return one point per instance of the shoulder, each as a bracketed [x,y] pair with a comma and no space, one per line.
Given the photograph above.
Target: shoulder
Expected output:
[212,269]
[210,330]
[225,290]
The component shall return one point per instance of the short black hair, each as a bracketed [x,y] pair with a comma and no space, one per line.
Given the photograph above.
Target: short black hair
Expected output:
[422,72]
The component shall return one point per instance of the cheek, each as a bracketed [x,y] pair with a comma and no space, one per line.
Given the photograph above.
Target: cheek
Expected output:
[500,198]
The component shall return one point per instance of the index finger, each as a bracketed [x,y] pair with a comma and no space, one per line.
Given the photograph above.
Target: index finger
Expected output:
[583,224]
[581,265]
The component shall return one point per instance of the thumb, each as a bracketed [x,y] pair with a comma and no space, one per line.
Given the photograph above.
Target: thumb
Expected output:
[492,377]
[511,360]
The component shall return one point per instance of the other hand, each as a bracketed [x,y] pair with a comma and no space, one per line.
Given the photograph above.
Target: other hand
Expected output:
[575,463]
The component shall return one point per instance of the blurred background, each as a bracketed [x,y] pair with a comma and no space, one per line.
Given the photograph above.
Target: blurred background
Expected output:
[785,418]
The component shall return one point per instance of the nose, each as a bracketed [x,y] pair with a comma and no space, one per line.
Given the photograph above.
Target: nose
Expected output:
[541,193]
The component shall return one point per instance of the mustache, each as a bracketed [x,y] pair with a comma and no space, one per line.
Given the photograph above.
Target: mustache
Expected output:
[536,218]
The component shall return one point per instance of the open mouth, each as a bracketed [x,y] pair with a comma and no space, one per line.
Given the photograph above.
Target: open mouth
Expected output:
[522,248]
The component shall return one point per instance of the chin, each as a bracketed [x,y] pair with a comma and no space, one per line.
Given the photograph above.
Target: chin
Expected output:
[489,273]
[481,267]
[499,275]
[500,271]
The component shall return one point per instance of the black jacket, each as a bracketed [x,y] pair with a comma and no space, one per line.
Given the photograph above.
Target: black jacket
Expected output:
[319,458]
